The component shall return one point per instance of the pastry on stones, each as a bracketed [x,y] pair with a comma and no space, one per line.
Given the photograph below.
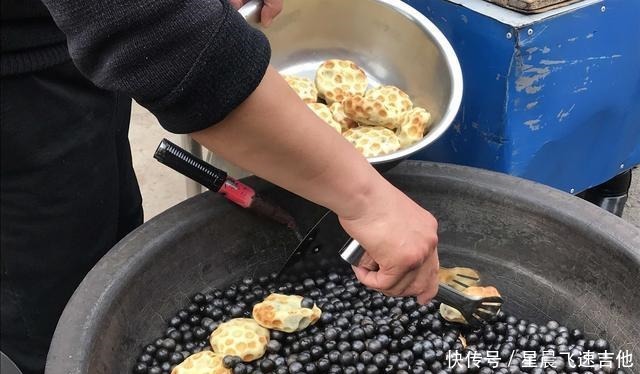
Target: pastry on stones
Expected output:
[413,125]
[373,141]
[205,362]
[453,315]
[459,278]
[337,80]
[337,110]
[304,87]
[371,112]
[323,112]
[391,96]
[242,337]
[285,313]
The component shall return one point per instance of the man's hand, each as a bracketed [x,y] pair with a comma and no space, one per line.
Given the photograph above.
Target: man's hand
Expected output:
[270,9]
[401,238]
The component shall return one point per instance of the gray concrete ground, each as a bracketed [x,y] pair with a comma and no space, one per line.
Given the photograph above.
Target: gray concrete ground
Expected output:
[163,188]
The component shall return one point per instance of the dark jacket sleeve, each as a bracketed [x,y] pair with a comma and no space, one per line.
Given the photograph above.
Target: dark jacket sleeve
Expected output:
[190,62]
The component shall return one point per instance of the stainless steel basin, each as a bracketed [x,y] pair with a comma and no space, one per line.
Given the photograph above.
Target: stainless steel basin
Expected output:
[394,43]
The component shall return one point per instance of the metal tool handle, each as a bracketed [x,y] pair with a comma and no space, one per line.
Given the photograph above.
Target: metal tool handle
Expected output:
[352,252]
[251,12]
[188,165]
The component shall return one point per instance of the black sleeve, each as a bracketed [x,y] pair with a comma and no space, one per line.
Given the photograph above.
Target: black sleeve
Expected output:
[190,62]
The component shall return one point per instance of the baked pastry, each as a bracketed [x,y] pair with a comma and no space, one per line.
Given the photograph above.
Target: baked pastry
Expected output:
[391,96]
[373,141]
[336,80]
[371,112]
[205,362]
[242,337]
[337,110]
[304,87]
[285,313]
[413,125]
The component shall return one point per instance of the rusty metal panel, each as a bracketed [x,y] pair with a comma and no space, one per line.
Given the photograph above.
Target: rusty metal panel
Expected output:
[556,100]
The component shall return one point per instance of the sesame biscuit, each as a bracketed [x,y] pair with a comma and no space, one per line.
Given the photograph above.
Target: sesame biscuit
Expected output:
[413,125]
[205,362]
[304,87]
[337,80]
[242,337]
[373,141]
[371,112]
[285,313]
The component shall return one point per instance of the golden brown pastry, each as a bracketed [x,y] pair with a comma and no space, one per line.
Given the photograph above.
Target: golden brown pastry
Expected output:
[371,112]
[205,362]
[242,337]
[285,313]
[392,97]
[373,141]
[337,110]
[304,87]
[336,80]
[413,125]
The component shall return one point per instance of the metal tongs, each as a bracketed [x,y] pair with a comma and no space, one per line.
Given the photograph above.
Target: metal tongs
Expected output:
[474,309]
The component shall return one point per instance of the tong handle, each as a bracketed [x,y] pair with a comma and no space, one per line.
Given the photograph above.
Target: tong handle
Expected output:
[188,165]
[452,297]
[251,12]
[353,252]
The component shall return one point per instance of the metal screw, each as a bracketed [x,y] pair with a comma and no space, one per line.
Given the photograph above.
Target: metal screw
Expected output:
[621,166]
[572,190]
[603,8]
[509,35]
[530,32]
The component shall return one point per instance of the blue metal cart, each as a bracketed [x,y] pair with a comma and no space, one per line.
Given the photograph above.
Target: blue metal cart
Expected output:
[552,97]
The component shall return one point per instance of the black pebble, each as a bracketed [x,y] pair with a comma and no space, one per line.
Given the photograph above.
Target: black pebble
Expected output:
[359,331]
[296,367]
[240,369]
[231,361]
[307,303]
[140,368]
[176,358]
[162,355]
[198,299]
[200,333]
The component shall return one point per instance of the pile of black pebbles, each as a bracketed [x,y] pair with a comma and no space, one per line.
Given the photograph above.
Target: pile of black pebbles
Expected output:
[363,331]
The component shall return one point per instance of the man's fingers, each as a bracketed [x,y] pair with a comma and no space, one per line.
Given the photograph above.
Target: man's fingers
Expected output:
[404,286]
[270,9]
[375,279]
[237,4]
[368,263]
[389,284]
[425,297]
[429,288]
[427,279]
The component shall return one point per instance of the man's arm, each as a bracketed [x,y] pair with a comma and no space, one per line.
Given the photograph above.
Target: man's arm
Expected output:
[276,136]
[196,63]
[189,62]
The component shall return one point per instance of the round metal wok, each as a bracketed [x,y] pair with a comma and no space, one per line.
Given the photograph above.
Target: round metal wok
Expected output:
[552,256]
